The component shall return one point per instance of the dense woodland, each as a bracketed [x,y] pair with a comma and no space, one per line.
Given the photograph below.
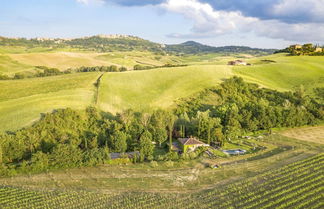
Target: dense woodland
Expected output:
[233,109]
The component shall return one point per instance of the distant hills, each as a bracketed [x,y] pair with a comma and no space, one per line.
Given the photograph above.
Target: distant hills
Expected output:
[106,43]
[192,47]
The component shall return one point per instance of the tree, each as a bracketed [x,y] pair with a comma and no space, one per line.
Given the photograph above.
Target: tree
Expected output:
[160,135]
[146,146]
[158,126]
[219,136]
[170,119]
[118,142]
[40,161]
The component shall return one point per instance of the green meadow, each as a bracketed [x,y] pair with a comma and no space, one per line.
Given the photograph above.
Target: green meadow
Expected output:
[22,101]
[159,88]
[19,59]
[286,73]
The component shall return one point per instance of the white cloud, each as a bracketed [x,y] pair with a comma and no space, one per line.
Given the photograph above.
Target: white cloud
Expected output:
[208,22]
[87,2]
[309,10]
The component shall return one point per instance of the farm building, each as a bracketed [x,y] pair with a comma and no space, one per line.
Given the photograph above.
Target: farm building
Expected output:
[297,46]
[237,62]
[190,144]
[318,49]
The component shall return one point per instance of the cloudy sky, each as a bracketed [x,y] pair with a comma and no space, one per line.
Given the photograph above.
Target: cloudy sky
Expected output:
[256,23]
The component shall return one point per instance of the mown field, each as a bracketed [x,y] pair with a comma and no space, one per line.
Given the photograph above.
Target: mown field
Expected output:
[22,101]
[19,59]
[285,73]
[159,88]
[288,174]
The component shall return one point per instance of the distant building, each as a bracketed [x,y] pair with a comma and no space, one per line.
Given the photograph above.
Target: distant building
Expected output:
[190,144]
[318,49]
[238,62]
[297,46]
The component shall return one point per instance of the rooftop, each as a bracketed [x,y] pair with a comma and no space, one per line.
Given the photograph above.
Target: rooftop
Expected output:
[189,141]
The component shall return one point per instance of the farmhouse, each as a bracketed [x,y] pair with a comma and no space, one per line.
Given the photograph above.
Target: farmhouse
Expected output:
[297,46]
[237,62]
[190,144]
[318,49]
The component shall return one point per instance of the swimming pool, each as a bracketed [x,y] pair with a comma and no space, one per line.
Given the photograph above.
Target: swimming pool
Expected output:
[235,151]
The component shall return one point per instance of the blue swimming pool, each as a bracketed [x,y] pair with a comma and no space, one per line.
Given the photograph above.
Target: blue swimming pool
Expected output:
[235,151]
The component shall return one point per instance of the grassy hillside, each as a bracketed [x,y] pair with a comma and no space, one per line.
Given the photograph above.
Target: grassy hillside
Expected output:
[144,90]
[19,60]
[22,101]
[9,66]
[285,73]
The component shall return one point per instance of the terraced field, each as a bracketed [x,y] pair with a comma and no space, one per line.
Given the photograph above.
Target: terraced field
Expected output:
[297,185]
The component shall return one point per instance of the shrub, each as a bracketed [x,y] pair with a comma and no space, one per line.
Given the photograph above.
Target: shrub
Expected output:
[169,164]
[154,164]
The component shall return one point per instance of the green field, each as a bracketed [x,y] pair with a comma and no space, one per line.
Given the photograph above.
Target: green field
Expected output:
[286,73]
[22,101]
[145,90]
[19,59]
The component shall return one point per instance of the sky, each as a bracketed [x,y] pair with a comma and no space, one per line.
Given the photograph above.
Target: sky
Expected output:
[254,23]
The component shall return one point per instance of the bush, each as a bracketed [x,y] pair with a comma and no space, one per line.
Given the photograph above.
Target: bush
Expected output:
[154,164]
[169,164]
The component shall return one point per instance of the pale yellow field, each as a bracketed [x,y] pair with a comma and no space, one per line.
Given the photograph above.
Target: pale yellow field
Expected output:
[65,59]
[60,60]
[310,134]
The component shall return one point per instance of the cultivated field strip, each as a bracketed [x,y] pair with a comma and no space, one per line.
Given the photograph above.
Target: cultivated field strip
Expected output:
[297,185]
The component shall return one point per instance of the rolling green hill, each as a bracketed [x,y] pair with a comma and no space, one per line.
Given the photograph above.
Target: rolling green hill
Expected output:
[192,47]
[144,90]
[284,72]
[22,101]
